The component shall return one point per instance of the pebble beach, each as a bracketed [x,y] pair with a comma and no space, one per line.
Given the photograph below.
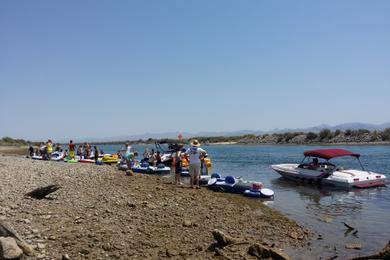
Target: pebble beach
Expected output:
[100,213]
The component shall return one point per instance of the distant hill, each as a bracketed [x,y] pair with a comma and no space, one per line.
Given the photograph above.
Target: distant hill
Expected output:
[345,126]
[173,135]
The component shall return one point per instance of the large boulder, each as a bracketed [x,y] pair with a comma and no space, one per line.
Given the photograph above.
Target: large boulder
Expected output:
[263,252]
[9,249]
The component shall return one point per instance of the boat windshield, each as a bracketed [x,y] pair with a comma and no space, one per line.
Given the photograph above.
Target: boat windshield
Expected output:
[313,163]
[345,163]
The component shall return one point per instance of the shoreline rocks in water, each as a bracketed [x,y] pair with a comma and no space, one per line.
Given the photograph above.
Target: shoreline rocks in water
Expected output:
[101,213]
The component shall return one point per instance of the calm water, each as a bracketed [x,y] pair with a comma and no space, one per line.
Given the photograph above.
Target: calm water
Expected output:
[368,210]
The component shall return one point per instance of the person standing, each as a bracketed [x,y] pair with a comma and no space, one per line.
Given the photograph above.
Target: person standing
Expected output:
[158,158]
[152,158]
[96,153]
[80,151]
[31,151]
[71,149]
[49,149]
[178,166]
[128,156]
[88,150]
[195,154]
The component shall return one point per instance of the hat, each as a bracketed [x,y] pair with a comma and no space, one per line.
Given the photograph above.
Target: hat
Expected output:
[195,143]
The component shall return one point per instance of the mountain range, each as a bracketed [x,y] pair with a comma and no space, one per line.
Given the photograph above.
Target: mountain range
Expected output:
[173,135]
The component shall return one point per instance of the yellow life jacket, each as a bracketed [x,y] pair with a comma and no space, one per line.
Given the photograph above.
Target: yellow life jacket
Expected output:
[49,147]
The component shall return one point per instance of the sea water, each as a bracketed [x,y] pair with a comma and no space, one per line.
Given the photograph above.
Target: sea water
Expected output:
[320,209]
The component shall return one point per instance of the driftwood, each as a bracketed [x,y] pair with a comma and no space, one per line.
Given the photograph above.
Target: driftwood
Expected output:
[42,192]
[383,254]
[223,239]
[7,231]
[348,226]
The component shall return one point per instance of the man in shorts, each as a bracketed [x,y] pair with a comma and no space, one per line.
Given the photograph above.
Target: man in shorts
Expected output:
[71,149]
[195,154]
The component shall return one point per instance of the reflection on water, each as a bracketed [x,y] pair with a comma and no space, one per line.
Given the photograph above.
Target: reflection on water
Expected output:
[324,201]
[322,209]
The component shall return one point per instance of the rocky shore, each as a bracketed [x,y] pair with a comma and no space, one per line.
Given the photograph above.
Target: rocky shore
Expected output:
[100,213]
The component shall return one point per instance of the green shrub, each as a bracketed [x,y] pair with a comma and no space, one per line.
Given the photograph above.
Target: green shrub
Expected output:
[325,134]
[311,136]
[386,134]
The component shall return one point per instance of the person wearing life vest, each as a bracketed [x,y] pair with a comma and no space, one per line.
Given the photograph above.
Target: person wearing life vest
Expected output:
[49,149]
[71,149]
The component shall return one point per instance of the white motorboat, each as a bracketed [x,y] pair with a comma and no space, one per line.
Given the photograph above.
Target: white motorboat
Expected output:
[325,172]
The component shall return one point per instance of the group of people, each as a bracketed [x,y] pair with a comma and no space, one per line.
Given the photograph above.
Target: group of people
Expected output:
[84,151]
[44,149]
[194,155]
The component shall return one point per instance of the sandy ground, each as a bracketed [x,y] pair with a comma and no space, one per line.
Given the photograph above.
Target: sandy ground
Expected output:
[13,150]
[100,213]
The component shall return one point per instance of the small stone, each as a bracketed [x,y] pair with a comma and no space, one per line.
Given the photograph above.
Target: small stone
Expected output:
[326,219]
[187,223]
[35,231]
[171,252]
[41,256]
[199,248]
[131,205]
[10,249]
[41,246]
[84,251]
[353,246]
[107,247]
[65,257]
[294,235]
[26,221]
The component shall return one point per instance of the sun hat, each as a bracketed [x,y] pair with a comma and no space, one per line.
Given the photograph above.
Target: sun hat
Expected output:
[195,143]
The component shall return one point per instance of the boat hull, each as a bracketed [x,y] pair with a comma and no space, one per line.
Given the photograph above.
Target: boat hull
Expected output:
[342,179]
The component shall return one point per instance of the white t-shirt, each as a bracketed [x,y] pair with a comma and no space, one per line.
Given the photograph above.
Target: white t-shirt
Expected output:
[125,149]
[194,153]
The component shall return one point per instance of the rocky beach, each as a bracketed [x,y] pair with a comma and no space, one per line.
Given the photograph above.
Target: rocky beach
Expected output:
[100,213]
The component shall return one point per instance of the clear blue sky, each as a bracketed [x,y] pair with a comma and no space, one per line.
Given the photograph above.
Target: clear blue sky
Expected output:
[73,69]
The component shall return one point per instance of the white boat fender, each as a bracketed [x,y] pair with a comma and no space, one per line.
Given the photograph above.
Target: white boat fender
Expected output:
[267,192]
[212,181]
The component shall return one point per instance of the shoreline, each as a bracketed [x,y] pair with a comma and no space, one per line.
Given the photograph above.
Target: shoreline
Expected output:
[307,144]
[98,208]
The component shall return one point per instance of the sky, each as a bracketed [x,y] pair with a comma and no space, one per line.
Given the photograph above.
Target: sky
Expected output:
[77,69]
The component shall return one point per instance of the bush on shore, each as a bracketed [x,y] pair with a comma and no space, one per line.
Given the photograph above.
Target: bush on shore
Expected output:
[9,141]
